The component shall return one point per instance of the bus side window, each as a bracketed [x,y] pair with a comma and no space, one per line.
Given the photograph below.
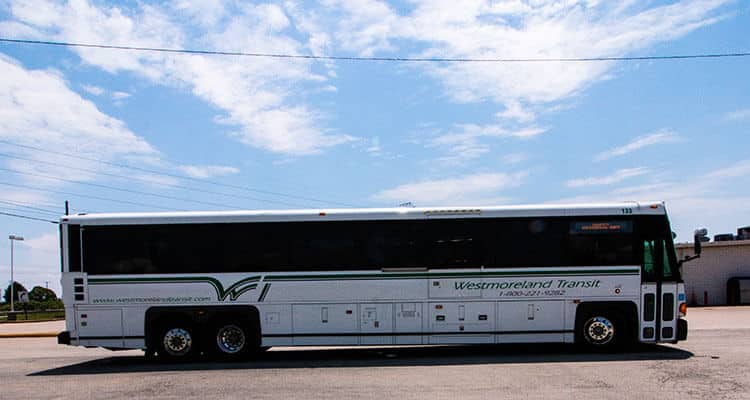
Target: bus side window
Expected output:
[656,260]
[649,251]
[666,268]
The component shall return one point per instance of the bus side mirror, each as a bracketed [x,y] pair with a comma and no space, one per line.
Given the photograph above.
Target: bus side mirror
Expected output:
[699,236]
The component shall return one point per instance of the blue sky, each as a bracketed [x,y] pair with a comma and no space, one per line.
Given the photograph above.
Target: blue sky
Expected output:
[155,129]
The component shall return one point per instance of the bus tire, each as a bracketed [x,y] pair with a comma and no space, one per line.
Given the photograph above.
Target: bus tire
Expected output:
[177,341]
[231,339]
[603,331]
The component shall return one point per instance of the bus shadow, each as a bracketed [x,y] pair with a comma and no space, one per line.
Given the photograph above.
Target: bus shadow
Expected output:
[377,357]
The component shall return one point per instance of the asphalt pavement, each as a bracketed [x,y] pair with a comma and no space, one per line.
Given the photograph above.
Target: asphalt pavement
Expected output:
[712,364]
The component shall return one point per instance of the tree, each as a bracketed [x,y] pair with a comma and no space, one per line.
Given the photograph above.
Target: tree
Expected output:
[41,294]
[17,287]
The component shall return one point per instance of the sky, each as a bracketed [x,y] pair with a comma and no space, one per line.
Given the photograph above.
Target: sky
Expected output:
[112,130]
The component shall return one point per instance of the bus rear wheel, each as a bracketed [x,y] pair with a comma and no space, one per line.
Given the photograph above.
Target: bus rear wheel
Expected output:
[177,341]
[231,340]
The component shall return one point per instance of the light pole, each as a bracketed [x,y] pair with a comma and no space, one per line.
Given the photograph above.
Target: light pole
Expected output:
[12,238]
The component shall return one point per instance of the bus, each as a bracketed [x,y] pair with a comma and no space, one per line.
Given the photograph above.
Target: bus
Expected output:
[229,283]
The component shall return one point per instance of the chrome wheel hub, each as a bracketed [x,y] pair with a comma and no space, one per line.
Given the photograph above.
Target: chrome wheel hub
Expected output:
[599,330]
[230,339]
[177,342]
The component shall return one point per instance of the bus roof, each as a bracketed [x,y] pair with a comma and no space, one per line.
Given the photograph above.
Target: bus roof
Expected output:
[401,213]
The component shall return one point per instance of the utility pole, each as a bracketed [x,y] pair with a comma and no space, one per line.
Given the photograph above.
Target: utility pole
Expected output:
[12,238]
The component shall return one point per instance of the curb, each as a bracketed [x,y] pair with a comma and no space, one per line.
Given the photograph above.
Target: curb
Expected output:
[28,335]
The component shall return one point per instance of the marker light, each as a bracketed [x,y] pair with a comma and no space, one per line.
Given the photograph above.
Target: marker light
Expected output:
[683,309]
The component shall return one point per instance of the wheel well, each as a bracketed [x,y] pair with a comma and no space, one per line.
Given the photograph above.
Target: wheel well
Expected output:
[627,310]
[199,317]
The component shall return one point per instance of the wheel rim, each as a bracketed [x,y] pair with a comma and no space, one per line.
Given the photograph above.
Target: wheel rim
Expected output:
[177,342]
[230,339]
[599,330]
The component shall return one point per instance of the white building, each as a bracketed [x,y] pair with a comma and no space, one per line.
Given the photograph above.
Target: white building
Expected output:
[706,278]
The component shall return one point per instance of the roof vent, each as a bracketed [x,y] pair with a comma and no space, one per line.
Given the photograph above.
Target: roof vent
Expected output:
[724,237]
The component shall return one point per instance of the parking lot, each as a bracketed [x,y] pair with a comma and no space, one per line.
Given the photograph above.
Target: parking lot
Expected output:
[713,363]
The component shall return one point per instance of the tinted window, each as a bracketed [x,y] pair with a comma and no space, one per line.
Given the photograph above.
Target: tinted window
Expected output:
[666,267]
[74,248]
[668,307]
[601,242]
[649,253]
[658,256]
[351,245]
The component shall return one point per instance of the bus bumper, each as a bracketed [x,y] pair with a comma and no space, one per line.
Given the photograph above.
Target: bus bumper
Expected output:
[682,329]
[63,338]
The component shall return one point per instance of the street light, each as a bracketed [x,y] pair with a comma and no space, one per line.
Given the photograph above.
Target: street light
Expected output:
[12,238]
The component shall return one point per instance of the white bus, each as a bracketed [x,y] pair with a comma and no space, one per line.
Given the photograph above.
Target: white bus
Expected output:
[228,283]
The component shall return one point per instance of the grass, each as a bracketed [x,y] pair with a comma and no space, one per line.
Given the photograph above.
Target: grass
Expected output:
[35,315]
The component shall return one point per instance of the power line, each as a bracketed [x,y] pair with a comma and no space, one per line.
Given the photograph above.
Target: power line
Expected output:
[353,58]
[37,213]
[150,171]
[88,196]
[97,185]
[25,205]
[35,206]
[145,180]
[27,217]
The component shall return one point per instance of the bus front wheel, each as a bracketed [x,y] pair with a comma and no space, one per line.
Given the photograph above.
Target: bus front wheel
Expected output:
[603,331]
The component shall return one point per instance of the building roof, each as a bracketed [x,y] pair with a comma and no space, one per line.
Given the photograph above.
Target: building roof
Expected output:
[715,244]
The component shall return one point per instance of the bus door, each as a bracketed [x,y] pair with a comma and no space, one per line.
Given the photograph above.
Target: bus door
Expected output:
[659,291]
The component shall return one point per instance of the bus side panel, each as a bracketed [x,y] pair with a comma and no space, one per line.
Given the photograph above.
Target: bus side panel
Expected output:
[134,326]
[100,326]
[531,321]
[344,290]
[325,324]
[72,283]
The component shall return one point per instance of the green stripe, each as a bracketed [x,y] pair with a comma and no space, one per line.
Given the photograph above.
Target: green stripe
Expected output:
[435,275]
[244,285]
[233,292]
[264,292]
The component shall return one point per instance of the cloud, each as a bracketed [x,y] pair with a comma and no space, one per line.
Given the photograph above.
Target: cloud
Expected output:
[374,147]
[467,141]
[259,99]
[26,98]
[740,169]
[616,177]
[468,189]
[94,90]
[120,95]
[739,115]
[514,110]
[117,96]
[207,171]
[692,199]
[515,158]
[540,29]
[370,26]
[511,29]
[659,137]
